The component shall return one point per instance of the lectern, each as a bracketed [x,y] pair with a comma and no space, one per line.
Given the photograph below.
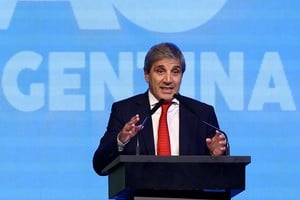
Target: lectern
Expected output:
[176,177]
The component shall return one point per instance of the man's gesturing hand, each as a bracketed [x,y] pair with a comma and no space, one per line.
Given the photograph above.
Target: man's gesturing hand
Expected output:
[217,144]
[129,130]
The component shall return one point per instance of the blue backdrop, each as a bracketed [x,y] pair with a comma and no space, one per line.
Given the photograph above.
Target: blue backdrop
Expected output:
[63,63]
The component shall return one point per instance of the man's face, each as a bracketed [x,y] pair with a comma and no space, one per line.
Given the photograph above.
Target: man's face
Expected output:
[164,78]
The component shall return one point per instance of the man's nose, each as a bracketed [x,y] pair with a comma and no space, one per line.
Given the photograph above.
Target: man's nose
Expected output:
[168,78]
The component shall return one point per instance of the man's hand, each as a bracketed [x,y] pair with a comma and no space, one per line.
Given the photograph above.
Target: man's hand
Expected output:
[217,144]
[129,130]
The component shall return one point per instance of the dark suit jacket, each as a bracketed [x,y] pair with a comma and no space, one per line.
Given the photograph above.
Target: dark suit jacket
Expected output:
[192,132]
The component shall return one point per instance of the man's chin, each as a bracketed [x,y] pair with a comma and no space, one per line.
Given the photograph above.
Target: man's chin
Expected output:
[167,96]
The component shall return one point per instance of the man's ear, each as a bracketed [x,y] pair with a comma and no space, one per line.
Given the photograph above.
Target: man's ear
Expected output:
[146,75]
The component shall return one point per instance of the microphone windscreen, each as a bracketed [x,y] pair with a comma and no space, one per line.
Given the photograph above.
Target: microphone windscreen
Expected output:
[160,102]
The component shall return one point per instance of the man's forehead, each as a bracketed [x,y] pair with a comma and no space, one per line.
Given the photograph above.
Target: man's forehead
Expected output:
[167,62]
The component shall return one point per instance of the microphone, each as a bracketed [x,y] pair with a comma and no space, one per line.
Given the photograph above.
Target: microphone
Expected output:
[151,112]
[186,105]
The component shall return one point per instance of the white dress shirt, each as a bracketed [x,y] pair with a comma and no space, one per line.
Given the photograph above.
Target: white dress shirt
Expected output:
[173,124]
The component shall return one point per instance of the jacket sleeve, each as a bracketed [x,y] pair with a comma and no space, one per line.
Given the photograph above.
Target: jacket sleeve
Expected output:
[107,150]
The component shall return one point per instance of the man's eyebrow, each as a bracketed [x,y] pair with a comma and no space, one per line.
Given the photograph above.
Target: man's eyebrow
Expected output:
[159,66]
[177,66]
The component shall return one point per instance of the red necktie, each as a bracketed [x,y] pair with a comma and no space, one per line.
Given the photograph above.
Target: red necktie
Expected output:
[163,144]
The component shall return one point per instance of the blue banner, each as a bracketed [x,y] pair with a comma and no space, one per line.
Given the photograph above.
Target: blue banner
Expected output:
[64,62]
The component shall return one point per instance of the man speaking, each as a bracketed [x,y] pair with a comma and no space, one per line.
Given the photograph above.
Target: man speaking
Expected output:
[160,121]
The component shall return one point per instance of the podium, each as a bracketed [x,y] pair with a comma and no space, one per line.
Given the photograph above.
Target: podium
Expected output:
[144,177]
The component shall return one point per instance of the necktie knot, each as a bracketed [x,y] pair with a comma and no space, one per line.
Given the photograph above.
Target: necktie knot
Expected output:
[165,106]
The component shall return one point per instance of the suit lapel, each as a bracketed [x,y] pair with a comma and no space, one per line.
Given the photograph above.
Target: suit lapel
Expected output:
[188,123]
[146,139]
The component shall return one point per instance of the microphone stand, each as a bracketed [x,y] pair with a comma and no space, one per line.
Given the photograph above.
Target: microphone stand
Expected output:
[181,100]
[153,110]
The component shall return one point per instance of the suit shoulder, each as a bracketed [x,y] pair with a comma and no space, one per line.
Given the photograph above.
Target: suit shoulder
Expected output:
[196,103]
[139,98]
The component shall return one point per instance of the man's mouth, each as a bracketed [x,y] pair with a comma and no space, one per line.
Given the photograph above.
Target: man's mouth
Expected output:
[166,89]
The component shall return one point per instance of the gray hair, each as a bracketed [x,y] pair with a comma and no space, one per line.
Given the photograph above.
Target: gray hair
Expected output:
[160,51]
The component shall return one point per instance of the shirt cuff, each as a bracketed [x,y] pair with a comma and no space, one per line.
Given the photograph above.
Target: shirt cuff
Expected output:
[121,145]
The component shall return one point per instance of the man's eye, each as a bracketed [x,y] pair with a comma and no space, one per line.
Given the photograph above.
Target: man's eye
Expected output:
[160,71]
[177,71]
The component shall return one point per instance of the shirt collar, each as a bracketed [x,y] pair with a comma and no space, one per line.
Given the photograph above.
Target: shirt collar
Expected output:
[154,101]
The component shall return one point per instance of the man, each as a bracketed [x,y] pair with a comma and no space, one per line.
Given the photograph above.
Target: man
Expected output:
[188,135]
